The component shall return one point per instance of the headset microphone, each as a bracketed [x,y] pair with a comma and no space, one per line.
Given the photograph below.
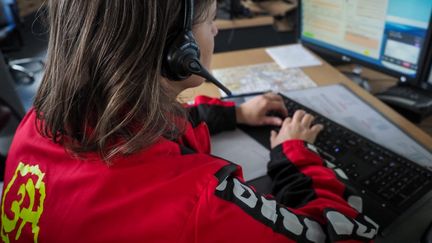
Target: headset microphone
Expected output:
[182,55]
[196,68]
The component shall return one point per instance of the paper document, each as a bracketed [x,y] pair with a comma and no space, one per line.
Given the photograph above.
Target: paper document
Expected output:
[262,77]
[292,56]
[238,147]
[339,104]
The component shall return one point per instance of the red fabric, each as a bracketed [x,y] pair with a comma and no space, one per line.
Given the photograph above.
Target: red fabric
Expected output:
[197,139]
[145,197]
[201,100]
[157,195]
[329,191]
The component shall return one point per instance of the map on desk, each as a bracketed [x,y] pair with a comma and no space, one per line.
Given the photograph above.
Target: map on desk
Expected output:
[262,77]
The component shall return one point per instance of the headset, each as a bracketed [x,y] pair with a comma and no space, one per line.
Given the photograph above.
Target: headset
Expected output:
[182,56]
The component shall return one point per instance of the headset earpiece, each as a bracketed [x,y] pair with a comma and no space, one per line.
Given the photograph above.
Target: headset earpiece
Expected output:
[182,56]
[183,48]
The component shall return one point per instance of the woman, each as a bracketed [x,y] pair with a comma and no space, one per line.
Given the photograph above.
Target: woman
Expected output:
[108,155]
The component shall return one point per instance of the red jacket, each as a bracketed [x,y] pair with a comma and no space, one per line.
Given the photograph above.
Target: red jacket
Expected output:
[174,191]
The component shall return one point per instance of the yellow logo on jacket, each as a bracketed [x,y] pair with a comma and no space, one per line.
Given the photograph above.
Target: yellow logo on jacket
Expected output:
[22,203]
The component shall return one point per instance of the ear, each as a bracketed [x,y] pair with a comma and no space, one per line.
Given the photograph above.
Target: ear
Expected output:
[178,57]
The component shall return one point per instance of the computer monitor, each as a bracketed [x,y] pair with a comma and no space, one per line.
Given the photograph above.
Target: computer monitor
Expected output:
[425,81]
[391,36]
[429,79]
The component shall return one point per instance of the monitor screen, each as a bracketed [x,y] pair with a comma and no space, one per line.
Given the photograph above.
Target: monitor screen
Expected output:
[388,35]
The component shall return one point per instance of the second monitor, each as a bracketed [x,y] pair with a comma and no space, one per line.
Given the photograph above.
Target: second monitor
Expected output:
[388,35]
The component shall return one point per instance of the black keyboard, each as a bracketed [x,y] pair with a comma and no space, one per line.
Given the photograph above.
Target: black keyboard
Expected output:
[388,183]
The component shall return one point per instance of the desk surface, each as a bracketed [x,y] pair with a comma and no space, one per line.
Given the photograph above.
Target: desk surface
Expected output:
[322,75]
[224,24]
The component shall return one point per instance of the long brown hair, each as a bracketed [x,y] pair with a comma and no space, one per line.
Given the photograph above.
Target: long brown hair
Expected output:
[101,90]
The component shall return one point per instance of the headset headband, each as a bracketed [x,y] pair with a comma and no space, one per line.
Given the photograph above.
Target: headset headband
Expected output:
[188,15]
[182,55]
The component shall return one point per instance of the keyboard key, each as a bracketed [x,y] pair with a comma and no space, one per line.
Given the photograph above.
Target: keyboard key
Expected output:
[367,182]
[352,142]
[397,199]
[387,195]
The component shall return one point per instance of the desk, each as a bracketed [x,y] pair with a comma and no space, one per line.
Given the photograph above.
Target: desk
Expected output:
[224,24]
[27,7]
[412,226]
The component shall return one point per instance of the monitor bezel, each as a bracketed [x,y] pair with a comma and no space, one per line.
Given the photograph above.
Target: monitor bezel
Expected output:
[422,82]
[422,65]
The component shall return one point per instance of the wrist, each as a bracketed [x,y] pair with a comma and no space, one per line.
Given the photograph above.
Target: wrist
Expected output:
[239,115]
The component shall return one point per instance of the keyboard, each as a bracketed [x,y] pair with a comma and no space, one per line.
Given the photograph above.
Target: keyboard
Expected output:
[388,183]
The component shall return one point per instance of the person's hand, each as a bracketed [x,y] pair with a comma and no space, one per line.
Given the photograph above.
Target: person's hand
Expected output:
[297,127]
[255,111]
